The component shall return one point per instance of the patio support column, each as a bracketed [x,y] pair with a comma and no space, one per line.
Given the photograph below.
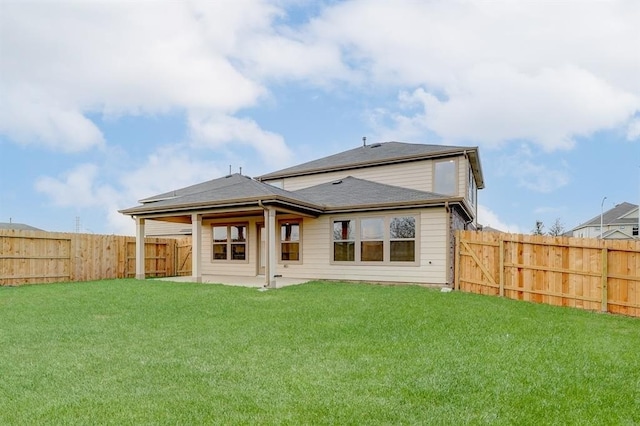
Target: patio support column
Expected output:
[140,257]
[271,251]
[196,247]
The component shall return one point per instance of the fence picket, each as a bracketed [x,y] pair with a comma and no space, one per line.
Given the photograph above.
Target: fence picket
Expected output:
[582,273]
[28,257]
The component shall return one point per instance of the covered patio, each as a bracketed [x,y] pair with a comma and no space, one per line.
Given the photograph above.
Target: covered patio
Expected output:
[231,198]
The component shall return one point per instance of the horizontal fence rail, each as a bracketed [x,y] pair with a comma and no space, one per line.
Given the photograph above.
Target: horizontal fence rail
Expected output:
[28,257]
[583,273]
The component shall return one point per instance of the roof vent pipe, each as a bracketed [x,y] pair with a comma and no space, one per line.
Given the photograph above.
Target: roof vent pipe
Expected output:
[364,141]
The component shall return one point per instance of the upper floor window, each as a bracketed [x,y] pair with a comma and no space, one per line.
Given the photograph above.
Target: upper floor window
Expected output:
[634,232]
[444,179]
[472,188]
[230,242]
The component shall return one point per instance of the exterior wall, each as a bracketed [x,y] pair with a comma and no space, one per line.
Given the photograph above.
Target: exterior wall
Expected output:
[158,228]
[316,242]
[623,231]
[246,268]
[414,175]
[432,254]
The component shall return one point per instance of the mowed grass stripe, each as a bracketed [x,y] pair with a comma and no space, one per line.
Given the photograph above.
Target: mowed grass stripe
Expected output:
[154,352]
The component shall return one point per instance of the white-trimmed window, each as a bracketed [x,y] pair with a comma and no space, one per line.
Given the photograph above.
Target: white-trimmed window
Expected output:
[372,239]
[375,239]
[472,188]
[344,240]
[445,177]
[402,239]
[290,241]
[230,242]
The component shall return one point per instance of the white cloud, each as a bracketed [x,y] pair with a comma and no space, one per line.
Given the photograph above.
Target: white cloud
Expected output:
[486,217]
[493,72]
[168,168]
[633,129]
[530,172]
[215,131]
[62,61]
[84,186]
[79,187]
[26,119]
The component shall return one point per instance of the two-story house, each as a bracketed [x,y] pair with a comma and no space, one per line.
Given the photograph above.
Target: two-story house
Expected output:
[384,212]
[618,223]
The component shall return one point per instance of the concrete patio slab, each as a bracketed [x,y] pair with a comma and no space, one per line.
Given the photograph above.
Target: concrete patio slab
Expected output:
[255,281]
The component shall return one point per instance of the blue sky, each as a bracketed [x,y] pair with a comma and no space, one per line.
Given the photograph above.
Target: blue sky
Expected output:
[104,103]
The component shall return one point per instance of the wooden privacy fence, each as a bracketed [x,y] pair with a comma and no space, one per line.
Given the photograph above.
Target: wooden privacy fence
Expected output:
[578,272]
[44,257]
[183,256]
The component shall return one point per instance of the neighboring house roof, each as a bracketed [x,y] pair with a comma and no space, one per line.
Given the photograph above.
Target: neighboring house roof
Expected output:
[235,190]
[18,226]
[490,229]
[378,154]
[614,234]
[615,216]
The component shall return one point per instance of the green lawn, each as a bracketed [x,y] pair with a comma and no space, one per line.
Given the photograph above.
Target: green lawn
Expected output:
[130,352]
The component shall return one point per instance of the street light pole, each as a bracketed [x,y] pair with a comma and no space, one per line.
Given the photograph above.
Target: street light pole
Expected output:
[601,214]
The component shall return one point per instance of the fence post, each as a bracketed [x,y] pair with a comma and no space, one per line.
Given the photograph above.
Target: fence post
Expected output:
[501,257]
[604,279]
[456,278]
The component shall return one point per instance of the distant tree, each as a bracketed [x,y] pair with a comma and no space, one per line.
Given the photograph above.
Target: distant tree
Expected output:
[557,228]
[539,229]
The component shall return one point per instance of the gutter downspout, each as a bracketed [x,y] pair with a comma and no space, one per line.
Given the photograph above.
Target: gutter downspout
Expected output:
[451,244]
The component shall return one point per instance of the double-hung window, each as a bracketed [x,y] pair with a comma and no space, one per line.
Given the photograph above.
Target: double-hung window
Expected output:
[344,240]
[402,239]
[290,241]
[230,242]
[372,239]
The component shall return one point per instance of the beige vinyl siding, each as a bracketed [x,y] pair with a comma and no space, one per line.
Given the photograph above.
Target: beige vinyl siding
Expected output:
[414,175]
[432,252]
[463,170]
[158,228]
[316,262]
[239,268]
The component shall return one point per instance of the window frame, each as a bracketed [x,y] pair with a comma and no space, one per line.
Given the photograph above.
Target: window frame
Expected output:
[472,189]
[229,243]
[386,259]
[281,242]
[456,183]
[334,241]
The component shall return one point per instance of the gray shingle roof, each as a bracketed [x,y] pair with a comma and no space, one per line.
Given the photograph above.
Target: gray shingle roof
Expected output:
[352,192]
[230,189]
[613,216]
[377,153]
[343,194]
[18,226]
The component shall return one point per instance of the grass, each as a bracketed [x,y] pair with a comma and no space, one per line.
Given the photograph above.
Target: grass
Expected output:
[131,352]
